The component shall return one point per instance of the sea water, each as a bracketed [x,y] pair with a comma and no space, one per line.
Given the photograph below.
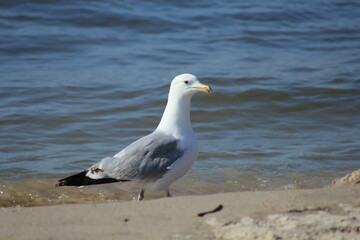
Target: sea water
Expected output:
[80,80]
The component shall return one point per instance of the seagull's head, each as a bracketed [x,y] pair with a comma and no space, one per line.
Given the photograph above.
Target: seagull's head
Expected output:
[187,85]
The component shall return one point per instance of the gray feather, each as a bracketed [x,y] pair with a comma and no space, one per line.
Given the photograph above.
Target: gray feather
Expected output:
[149,157]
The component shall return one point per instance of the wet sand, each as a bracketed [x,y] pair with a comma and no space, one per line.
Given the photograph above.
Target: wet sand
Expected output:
[328,213]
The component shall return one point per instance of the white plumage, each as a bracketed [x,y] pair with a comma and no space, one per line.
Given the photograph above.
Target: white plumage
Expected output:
[158,159]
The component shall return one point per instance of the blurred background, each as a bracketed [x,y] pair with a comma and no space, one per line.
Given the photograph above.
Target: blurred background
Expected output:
[81,79]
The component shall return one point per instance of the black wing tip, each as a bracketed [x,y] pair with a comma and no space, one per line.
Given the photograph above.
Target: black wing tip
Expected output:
[80,179]
[73,180]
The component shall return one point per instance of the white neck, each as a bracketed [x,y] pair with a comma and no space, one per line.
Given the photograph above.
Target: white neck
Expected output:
[176,118]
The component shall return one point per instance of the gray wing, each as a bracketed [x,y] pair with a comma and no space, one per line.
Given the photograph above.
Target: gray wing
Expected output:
[148,157]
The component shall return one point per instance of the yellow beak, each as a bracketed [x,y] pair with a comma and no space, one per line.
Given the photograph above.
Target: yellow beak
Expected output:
[204,88]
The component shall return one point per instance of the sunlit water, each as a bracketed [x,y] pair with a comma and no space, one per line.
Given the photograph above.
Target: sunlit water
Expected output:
[80,80]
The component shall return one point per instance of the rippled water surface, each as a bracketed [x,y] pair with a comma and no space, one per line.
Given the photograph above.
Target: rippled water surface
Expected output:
[80,80]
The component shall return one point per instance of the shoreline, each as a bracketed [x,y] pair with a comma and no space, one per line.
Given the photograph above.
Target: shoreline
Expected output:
[176,218]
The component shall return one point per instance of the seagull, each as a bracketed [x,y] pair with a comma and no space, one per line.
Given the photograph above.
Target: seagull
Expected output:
[158,159]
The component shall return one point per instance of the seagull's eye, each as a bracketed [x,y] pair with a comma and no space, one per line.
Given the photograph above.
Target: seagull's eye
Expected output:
[186,82]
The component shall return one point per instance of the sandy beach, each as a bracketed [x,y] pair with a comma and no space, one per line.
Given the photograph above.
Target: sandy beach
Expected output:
[83,80]
[328,213]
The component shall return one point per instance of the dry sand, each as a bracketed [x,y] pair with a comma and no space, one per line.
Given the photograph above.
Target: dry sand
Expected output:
[328,213]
